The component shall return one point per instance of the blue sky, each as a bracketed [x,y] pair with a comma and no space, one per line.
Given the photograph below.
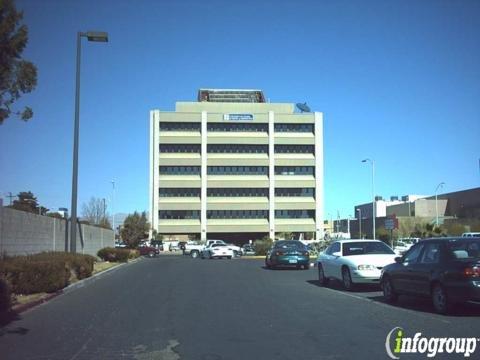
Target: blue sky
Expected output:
[398,82]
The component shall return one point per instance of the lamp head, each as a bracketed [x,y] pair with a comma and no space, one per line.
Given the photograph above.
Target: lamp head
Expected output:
[97,36]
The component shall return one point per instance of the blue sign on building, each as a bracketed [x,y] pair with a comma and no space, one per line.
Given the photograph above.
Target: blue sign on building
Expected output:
[237,117]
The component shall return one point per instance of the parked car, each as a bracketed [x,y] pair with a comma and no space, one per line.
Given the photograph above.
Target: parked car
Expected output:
[354,262]
[288,253]
[157,244]
[404,244]
[194,248]
[248,249]
[445,269]
[149,251]
[119,244]
[471,234]
[173,246]
[237,250]
[217,251]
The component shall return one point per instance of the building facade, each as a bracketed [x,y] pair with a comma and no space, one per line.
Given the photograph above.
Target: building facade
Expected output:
[234,166]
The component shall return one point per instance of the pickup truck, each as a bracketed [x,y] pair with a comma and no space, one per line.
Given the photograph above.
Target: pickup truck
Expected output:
[194,249]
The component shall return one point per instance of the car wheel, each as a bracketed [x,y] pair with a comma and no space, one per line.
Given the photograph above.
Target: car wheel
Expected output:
[347,279]
[388,292]
[440,301]
[229,257]
[194,254]
[151,254]
[321,276]
[235,253]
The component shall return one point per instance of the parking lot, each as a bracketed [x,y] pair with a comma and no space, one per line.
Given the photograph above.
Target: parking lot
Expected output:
[176,307]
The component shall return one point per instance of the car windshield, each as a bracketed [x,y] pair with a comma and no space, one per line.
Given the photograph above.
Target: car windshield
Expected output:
[290,245]
[364,248]
[465,249]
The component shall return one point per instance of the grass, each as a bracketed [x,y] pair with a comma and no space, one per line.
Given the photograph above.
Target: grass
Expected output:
[102,266]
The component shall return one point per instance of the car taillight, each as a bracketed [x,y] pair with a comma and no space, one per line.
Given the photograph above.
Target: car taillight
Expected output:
[473,271]
[279,253]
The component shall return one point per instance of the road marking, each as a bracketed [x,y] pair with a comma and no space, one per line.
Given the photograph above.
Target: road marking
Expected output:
[412,312]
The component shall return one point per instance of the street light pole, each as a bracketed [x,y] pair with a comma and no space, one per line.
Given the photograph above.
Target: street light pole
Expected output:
[91,36]
[374,203]
[436,201]
[360,221]
[113,210]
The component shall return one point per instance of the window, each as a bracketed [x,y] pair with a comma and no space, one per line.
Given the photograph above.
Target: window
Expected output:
[180,126]
[294,214]
[294,128]
[237,127]
[363,248]
[431,254]
[233,148]
[179,214]
[237,214]
[179,192]
[287,192]
[412,255]
[237,170]
[294,149]
[335,247]
[238,192]
[464,249]
[179,170]
[294,170]
[180,148]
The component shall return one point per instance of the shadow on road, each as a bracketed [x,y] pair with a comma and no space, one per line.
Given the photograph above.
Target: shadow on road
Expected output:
[371,292]
[282,268]
[6,319]
[337,285]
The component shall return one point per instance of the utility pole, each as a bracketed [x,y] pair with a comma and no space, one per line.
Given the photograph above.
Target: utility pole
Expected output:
[104,210]
[10,196]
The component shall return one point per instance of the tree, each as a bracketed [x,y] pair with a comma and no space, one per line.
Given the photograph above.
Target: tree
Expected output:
[17,76]
[95,212]
[28,202]
[135,228]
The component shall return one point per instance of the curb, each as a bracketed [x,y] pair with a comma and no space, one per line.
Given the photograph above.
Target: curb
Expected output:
[97,276]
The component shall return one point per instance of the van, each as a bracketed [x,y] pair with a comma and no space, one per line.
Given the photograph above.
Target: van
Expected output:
[471,234]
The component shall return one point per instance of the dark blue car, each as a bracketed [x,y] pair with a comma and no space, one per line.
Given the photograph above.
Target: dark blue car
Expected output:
[445,269]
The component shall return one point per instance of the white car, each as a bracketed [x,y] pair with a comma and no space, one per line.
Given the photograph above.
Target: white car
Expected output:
[403,245]
[354,262]
[237,250]
[213,251]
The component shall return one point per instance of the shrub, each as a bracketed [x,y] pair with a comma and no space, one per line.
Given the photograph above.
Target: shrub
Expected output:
[28,277]
[5,300]
[262,246]
[133,254]
[114,255]
[107,254]
[81,266]
[122,255]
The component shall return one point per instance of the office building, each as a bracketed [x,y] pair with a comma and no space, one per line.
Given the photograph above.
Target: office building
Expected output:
[233,166]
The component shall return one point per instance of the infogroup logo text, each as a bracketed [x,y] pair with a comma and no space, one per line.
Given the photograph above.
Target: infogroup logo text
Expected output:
[397,343]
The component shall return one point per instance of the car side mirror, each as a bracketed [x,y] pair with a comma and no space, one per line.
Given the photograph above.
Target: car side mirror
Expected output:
[337,254]
[398,259]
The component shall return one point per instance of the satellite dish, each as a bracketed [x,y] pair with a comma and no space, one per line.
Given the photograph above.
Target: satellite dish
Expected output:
[303,107]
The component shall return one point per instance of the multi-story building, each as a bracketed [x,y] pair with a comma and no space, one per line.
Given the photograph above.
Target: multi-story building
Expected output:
[233,166]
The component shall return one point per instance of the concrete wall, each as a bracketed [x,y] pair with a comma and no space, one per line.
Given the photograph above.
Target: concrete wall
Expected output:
[23,233]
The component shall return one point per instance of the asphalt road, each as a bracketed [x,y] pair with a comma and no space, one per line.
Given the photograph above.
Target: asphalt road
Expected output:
[175,307]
